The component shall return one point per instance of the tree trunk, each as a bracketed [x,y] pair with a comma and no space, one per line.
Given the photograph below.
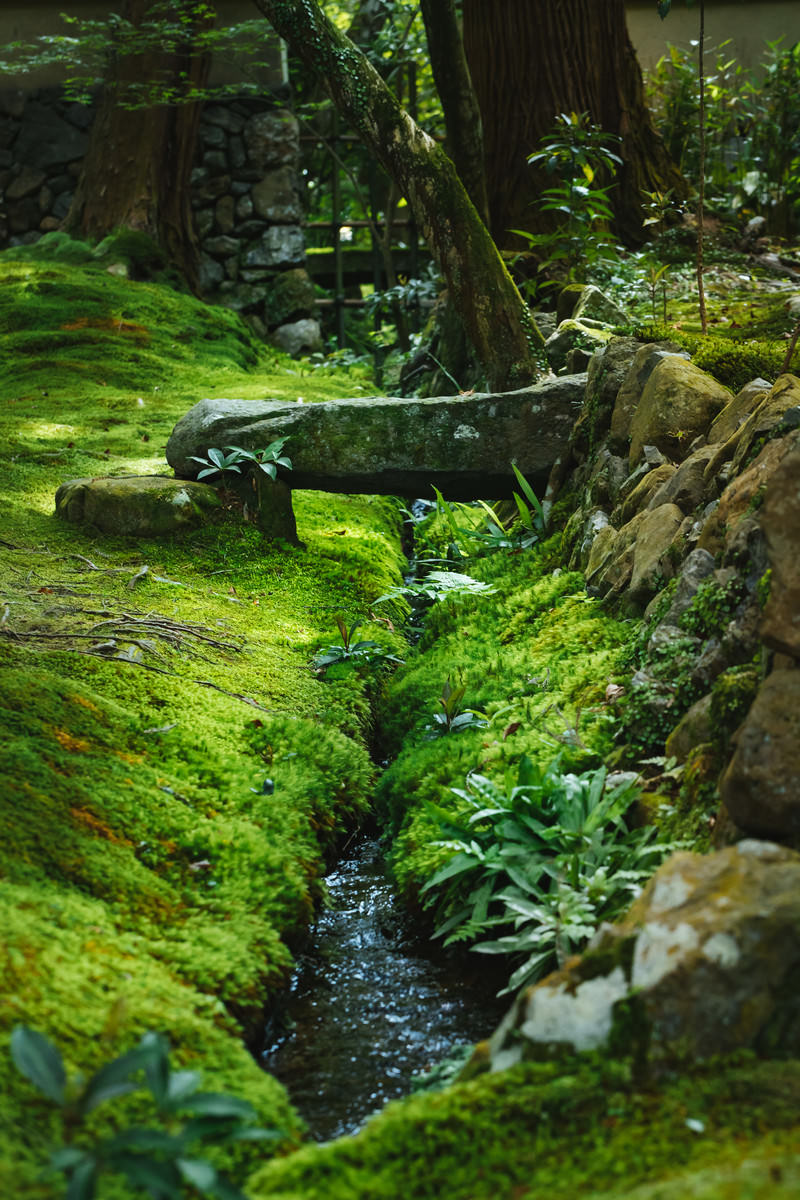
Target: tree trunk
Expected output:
[462,113]
[533,59]
[496,319]
[137,169]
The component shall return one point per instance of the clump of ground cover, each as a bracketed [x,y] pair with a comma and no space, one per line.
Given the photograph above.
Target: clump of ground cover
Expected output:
[172,799]
[536,658]
[577,1127]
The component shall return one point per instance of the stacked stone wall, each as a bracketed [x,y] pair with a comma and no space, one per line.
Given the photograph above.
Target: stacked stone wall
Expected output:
[245,198]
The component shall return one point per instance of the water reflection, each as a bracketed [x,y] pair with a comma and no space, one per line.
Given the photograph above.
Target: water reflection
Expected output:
[371,1005]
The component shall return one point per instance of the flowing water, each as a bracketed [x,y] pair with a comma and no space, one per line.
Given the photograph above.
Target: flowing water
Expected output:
[372,1005]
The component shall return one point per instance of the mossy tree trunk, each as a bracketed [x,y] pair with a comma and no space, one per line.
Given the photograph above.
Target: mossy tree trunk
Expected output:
[495,317]
[137,169]
[532,59]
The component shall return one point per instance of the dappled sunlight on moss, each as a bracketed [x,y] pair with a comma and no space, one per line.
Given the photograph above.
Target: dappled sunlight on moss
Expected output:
[143,860]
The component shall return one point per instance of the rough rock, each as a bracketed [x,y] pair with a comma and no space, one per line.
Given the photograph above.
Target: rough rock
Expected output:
[693,729]
[742,494]
[650,561]
[276,198]
[461,444]
[697,567]
[594,521]
[704,963]
[595,306]
[736,412]
[615,568]
[641,496]
[608,475]
[641,368]
[298,337]
[780,522]
[760,787]
[137,505]
[767,414]
[679,402]
[272,139]
[280,246]
[606,370]
[686,487]
[290,296]
[46,140]
[571,334]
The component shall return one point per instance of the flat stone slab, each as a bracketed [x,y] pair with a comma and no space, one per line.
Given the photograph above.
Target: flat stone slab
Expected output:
[463,445]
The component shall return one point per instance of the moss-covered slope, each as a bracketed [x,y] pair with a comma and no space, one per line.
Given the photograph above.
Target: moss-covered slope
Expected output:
[150,876]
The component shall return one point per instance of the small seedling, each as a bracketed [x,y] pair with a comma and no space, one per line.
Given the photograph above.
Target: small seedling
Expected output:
[352,653]
[217,462]
[454,718]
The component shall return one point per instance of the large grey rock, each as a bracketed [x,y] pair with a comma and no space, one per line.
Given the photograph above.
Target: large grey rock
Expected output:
[593,305]
[298,337]
[463,445]
[761,785]
[703,964]
[280,246]
[46,140]
[780,521]
[137,505]
[276,198]
[272,139]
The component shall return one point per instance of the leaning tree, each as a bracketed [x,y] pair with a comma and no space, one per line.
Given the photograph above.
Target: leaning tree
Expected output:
[495,318]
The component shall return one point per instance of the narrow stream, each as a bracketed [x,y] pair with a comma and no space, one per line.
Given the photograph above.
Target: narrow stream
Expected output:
[372,1005]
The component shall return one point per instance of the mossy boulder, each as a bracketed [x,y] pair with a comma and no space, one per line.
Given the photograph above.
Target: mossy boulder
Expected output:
[706,962]
[779,408]
[678,404]
[640,368]
[780,521]
[137,505]
[761,785]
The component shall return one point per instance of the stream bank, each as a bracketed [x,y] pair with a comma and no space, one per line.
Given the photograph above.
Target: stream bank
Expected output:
[372,1004]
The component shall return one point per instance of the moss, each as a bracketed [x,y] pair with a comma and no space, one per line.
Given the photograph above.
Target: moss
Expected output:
[712,607]
[145,870]
[732,693]
[733,362]
[536,658]
[551,1130]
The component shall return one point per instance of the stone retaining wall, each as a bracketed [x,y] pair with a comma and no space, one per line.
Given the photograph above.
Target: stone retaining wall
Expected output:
[245,194]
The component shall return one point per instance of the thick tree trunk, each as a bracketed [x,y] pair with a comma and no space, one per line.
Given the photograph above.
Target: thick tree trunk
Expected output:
[137,169]
[533,59]
[462,113]
[496,319]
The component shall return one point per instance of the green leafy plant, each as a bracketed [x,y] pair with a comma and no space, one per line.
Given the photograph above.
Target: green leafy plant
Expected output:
[217,462]
[352,653]
[544,859]
[162,1161]
[579,153]
[439,585]
[528,528]
[454,718]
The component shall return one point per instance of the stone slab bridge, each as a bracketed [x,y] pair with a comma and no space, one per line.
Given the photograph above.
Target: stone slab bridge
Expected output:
[463,445]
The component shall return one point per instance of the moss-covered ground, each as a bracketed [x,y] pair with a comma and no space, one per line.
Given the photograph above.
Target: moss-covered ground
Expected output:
[174,776]
[149,877]
[552,1132]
